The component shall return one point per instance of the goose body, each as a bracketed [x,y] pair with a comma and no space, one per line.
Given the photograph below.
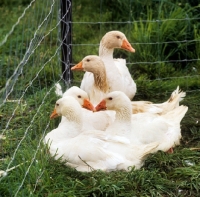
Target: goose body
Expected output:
[92,149]
[143,128]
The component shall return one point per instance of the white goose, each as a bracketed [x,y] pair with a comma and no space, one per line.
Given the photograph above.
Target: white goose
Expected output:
[99,88]
[145,127]
[91,150]
[117,72]
[99,121]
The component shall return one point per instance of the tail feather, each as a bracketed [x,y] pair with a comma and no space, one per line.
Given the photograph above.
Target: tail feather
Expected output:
[58,89]
[173,102]
[177,114]
[177,95]
[175,92]
[182,95]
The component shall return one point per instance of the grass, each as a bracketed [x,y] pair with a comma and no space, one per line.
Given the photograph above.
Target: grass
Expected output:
[25,120]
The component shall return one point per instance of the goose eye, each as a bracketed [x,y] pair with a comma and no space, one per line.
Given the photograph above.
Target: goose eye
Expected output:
[57,104]
[110,98]
[88,60]
[79,96]
[118,37]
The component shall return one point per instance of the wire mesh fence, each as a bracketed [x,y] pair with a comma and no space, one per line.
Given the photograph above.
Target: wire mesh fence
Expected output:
[167,41]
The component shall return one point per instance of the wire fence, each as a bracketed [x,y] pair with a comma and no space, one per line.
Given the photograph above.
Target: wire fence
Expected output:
[30,65]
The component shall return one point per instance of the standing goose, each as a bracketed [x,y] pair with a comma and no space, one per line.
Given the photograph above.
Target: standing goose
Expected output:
[92,149]
[143,128]
[117,72]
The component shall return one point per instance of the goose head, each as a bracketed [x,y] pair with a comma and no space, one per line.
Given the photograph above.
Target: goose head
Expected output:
[69,107]
[79,95]
[90,63]
[118,102]
[116,39]
[94,64]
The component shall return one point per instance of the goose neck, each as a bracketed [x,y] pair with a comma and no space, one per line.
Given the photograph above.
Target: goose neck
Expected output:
[101,81]
[123,115]
[105,52]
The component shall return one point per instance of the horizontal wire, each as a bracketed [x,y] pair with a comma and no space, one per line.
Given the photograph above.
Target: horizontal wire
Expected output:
[142,43]
[135,21]
[158,79]
[165,61]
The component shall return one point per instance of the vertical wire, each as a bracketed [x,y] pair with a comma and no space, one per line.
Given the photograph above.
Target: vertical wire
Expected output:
[158,41]
[186,48]
[129,29]
[100,19]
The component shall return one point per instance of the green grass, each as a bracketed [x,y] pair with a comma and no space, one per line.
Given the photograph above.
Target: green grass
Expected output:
[25,122]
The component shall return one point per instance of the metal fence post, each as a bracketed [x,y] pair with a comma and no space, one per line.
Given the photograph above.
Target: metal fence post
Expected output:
[66,36]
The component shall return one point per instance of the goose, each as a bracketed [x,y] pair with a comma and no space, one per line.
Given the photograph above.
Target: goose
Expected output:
[118,75]
[99,121]
[99,88]
[143,128]
[92,149]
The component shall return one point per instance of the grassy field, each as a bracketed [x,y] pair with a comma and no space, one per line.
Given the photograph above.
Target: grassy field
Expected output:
[24,117]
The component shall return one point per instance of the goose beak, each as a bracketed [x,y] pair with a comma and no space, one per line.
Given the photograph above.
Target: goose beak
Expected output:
[78,66]
[88,105]
[101,106]
[127,46]
[54,114]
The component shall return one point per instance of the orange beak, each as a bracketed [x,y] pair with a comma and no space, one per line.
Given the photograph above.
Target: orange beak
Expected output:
[88,105]
[101,106]
[127,46]
[54,114]
[78,66]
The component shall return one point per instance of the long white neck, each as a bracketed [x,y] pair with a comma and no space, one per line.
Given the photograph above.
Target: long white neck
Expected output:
[122,123]
[65,130]
[113,74]
[105,53]
[69,129]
